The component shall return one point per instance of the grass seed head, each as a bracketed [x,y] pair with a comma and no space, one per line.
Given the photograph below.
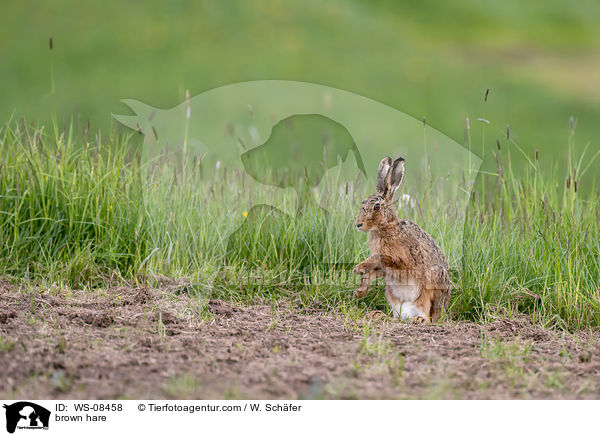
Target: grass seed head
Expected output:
[571,124]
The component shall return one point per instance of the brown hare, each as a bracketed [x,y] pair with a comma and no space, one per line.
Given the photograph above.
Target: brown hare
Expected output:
[417,282]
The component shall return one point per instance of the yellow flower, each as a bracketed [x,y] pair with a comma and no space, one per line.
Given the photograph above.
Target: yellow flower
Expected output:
[110,207]
[245,214]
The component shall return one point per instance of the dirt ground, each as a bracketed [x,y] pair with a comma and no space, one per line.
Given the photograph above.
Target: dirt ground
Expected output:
[146,343]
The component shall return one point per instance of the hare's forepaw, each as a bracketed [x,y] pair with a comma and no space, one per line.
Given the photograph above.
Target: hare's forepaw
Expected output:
[376,314]
[360,292]
[360,269]
[419,320]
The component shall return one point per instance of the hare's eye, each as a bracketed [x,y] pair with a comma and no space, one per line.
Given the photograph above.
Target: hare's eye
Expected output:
[377,206]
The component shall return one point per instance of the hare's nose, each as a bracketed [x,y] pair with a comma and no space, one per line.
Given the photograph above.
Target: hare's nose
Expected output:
[359,225]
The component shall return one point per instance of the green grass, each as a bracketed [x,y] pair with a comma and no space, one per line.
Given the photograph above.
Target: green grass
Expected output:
[532,246]
[429,59]
[68,210]
[183,386]
[510,359]
[77,210]
[6,344]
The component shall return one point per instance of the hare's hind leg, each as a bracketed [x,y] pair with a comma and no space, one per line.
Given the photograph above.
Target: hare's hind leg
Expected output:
[395,303]
[411,312]
[422,307]
[440,301]
[416,310]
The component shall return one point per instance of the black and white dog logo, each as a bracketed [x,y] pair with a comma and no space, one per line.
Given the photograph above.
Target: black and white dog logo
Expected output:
[26,415]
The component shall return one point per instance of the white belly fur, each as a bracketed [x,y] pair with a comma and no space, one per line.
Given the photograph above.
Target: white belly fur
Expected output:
[407,291]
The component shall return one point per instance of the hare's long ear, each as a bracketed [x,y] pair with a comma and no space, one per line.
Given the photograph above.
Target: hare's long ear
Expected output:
[382,172]
[394,178]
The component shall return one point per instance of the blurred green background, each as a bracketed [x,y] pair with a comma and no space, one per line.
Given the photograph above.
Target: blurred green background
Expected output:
[434,59]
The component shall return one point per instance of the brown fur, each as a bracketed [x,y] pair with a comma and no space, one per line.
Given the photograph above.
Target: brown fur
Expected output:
[401,248]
